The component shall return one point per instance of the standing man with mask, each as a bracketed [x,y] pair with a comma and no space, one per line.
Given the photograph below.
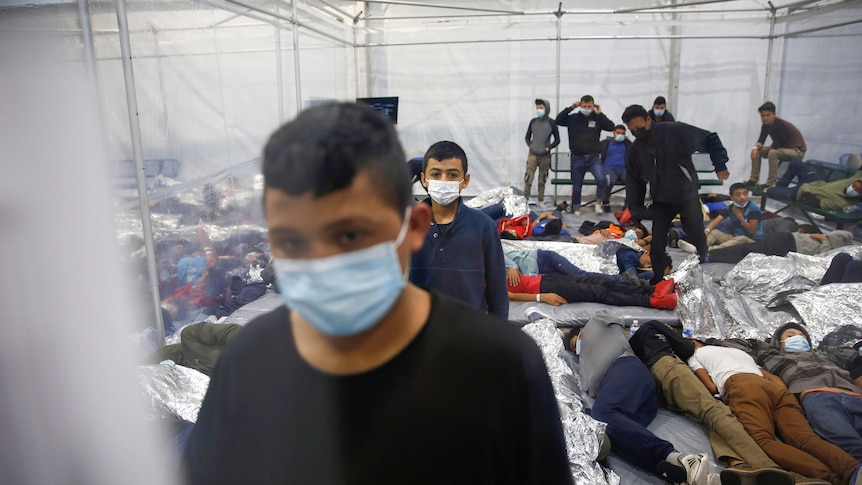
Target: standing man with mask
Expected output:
[540,132]
[585,129]
[462,256]
[787,144]
[661,155]
[659,110]
[367,378]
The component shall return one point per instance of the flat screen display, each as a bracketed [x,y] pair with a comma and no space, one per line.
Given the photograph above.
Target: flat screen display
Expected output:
[388,106]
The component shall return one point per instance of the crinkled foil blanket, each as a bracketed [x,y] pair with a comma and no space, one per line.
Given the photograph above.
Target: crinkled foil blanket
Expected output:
[174,391]
[583,434]
[761,293]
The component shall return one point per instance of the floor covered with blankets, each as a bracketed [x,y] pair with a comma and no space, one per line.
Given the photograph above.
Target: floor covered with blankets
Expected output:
[746,300]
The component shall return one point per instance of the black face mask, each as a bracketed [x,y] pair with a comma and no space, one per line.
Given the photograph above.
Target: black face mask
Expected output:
[641,133]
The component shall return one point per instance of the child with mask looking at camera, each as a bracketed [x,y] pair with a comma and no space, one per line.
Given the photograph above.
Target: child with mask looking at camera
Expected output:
[362,377]
[462,256]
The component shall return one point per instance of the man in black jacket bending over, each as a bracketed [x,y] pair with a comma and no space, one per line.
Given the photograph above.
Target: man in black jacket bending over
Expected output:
[661,155]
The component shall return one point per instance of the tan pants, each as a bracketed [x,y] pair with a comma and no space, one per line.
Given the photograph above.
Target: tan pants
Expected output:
[682,391]
[767,409]
[774,156]
[719,240]
[543,162]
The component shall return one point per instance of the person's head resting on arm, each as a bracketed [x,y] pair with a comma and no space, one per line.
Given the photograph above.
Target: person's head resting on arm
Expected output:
[336,200]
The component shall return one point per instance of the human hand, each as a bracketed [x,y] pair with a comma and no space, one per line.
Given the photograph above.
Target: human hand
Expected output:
[723,175]
[552,299]
[598,109]
[513,276]
[755,153]
[576,104]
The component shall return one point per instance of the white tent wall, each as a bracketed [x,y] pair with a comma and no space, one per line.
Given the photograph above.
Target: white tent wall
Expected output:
[820,88]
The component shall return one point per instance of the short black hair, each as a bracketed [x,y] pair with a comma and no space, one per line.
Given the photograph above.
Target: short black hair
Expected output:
[508,235]
[587,99]
[620,127]
[634,111]
[639,225]
[659,100]
[444,150]
[553,227]
[325,147]
[540,101]
[567,340]
[808,229]
[737,186]
[767,106]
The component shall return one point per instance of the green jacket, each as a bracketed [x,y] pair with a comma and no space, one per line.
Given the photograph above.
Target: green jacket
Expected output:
[199,347]
[831,194]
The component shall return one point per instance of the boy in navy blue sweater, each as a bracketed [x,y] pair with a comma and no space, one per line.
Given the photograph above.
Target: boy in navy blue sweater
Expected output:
[462,256]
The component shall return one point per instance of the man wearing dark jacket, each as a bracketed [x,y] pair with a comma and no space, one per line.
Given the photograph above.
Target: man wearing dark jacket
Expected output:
[614,151]
[542,137]
[661,155]
[585,128]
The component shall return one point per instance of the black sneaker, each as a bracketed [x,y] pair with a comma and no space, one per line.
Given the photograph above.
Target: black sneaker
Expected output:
[763,187]
[673,238]
[751,183]
[606,207]
[563,206]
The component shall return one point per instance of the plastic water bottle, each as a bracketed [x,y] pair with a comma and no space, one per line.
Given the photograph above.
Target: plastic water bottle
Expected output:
[634,327]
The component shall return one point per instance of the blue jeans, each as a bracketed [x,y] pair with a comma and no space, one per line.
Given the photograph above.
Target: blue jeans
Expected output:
[552,263]
[795,169]
[580,165]
[627,401]
[837,417]
[611,177]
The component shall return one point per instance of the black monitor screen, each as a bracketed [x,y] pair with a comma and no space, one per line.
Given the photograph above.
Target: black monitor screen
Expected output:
[388,107]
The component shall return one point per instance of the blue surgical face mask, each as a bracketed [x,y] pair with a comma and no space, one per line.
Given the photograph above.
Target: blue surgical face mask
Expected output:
[619,138]
[741,206]
[347,293]
[797,343]
[631,235]
[540,113]
[658,112]
[578,347]
[586,111]
[850,192]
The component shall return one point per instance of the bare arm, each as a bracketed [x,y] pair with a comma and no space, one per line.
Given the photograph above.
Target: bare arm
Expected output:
[549,298]
[706,380]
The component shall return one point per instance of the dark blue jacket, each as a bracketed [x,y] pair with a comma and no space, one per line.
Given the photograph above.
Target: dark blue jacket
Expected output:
[664,161]
[465,262]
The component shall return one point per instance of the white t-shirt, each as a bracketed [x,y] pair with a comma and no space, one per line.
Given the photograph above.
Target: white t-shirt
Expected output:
[723,362]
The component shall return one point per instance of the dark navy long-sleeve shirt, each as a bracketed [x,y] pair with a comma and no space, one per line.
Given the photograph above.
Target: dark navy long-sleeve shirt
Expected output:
[465,262]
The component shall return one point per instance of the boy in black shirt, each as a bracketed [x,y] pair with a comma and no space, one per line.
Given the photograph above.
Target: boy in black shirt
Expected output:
[367,378]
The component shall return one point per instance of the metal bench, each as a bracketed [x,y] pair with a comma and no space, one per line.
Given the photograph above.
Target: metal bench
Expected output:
[561,174]
[825,171]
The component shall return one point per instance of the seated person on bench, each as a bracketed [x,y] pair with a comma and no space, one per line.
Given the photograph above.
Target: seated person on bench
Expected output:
[810,190]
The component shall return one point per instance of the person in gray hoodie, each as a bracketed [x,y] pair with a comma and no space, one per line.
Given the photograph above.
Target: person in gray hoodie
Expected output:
[625,399]
[542,137]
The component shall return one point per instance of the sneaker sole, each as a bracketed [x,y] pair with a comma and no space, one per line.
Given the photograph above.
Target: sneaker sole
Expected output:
[762,476]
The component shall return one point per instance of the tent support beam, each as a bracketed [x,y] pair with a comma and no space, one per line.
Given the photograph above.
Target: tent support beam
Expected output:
[138,153]
[296,68]
[768,74]
[674,61]
[559,14]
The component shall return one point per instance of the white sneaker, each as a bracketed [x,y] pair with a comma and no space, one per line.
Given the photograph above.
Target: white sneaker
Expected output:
[696,468]
[533,313]
[714,479]
[576,212]
[687,246]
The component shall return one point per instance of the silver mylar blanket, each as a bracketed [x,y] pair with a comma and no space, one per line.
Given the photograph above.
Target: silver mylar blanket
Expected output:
[174,391]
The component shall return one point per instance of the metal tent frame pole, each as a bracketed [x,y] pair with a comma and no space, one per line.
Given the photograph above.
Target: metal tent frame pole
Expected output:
[297,69]
[137,149]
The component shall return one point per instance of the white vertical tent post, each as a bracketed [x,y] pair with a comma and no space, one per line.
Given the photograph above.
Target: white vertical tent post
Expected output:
[89,50]
[559,14]
[279,73]
[673,61]
[769,53]
[138,153]
[297,68]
